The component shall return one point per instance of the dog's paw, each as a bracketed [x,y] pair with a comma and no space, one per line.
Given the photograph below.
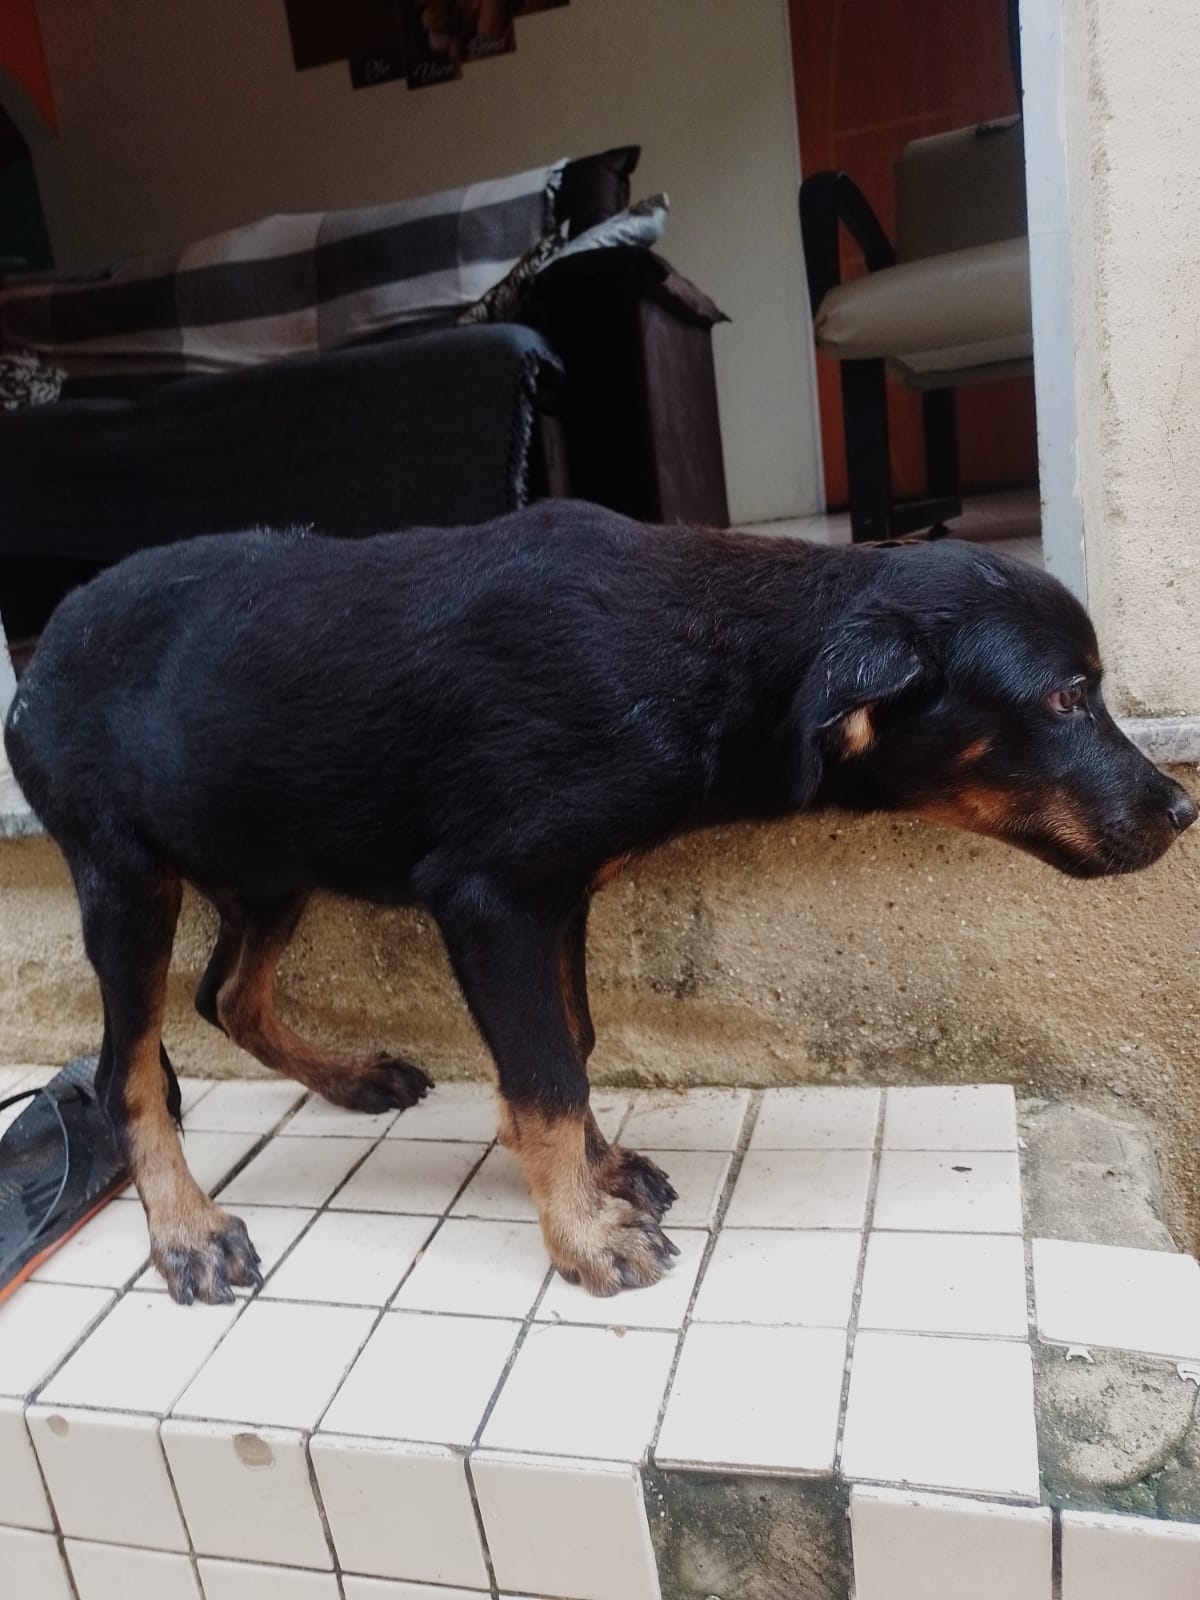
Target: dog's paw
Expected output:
[627,1250]
[640,1181]
[388,1084]
[208,1266]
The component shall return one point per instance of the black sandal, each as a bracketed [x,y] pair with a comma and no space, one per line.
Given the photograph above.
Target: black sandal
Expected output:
[59,1165]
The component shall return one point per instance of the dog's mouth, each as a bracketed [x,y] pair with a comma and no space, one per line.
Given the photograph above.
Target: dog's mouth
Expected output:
[1107,853]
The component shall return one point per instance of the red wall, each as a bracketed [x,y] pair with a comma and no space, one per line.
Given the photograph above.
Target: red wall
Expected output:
[21,55]
[870,76]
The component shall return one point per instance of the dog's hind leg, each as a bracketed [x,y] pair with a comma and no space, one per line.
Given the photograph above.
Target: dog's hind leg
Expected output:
[130,905]
[509,959]
[622,1172]
[244,1004]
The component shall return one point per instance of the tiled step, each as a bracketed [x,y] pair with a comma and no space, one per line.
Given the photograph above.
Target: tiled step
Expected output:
[870,1372]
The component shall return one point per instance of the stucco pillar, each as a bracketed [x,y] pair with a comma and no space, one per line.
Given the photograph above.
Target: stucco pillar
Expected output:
[1132,130]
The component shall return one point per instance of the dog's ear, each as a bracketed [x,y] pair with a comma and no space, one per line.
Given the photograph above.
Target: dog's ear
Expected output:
[868,659]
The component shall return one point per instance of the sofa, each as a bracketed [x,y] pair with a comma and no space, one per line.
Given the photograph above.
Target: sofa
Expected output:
[305,371]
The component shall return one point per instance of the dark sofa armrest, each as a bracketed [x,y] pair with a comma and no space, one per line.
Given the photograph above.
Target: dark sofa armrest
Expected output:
[576,282]
[829,201]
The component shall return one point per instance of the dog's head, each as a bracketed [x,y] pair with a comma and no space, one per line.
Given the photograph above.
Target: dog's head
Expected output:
[965,687]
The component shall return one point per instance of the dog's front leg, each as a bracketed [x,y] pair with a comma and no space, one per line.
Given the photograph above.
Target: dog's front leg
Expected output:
[508,955]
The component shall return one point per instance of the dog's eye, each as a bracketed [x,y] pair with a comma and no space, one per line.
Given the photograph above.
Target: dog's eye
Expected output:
[1064,701]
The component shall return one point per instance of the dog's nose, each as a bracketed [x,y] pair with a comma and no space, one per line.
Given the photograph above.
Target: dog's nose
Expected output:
[1182,811]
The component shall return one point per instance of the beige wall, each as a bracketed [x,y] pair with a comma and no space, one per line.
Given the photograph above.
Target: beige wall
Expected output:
[180,118]
[1132,121]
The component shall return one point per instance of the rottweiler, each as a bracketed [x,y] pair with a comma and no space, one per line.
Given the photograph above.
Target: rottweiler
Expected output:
[482,721]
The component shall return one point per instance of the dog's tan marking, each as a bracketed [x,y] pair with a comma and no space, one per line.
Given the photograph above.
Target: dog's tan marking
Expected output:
[858,732]
[179,1215]
[974,752]
[610,870]
[246,1009]
[592,1237]
[975,808]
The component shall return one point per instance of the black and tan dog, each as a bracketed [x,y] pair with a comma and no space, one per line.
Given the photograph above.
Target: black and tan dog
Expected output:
[482,721]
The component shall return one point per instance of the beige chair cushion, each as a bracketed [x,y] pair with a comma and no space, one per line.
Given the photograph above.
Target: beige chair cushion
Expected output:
[960,189]
[944,319]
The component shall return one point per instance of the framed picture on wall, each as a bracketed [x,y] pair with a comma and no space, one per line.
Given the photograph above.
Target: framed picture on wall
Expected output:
[424,42]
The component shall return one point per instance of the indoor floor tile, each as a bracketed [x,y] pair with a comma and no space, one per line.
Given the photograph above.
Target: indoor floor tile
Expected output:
[319,1119]
[1143,1300]
[246,1495]
[463,1112]
[478,1268]
[498,1191]
[663,1305]
[401,1512]
[945,1283]
[142,1356]
[240,1107]
[23,1502]
[942,1414]
[423,1378]
[926,1547]
[699,1179]
[817,1119]
[235,1580]
[591,1392]
[571,1528]
[610,1107]
[353,1258]
[801,1189]
[115,1572]
[761,1399]
[1115,1558]
[409,1175]
[39,1326]
[108,1477]
[32,1565]
[296,1172]
[949,1192]
[780,1275]
[107,1251]
[211,1157]
[980,1117]
[697,1119]
[251,1379]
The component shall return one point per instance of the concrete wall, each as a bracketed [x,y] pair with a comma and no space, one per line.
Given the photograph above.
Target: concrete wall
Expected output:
[1132,127]
[815,950]
[178,119]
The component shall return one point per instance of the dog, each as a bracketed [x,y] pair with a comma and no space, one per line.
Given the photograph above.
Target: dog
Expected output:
[482,721]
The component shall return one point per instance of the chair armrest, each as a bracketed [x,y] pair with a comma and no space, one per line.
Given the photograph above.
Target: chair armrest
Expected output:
[829,200]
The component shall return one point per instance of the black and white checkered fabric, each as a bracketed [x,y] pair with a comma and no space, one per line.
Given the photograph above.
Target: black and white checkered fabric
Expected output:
[286,285]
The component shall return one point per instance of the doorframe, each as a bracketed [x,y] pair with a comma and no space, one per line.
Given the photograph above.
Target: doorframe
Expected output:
[1052,290]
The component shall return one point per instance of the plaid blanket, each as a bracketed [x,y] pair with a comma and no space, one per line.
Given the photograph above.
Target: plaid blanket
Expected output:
[286,285]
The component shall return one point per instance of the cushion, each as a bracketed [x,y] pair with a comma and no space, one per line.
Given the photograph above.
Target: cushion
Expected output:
[952,313]
[595,187]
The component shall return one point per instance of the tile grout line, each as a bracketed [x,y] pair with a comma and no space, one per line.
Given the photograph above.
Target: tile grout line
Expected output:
[860,1278]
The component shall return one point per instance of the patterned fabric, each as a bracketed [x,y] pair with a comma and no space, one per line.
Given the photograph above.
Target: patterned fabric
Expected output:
[286,285]
[24,381]
[506,300]
[641,225]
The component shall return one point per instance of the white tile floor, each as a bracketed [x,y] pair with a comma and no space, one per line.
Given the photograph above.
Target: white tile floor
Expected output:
[415,1408]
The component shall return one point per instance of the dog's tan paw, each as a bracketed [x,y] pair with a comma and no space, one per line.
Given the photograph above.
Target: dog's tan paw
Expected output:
[620,1247]
[642,1182]
[209,1263]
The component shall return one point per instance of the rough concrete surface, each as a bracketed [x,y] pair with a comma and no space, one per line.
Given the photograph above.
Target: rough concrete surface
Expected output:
[816,949]
[1117,1432]
[743,1538]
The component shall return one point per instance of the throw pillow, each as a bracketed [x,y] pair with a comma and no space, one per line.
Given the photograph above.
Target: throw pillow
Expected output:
[642,225]
[505,300]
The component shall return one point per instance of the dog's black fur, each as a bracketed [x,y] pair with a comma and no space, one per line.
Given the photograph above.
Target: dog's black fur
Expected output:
[483,721]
